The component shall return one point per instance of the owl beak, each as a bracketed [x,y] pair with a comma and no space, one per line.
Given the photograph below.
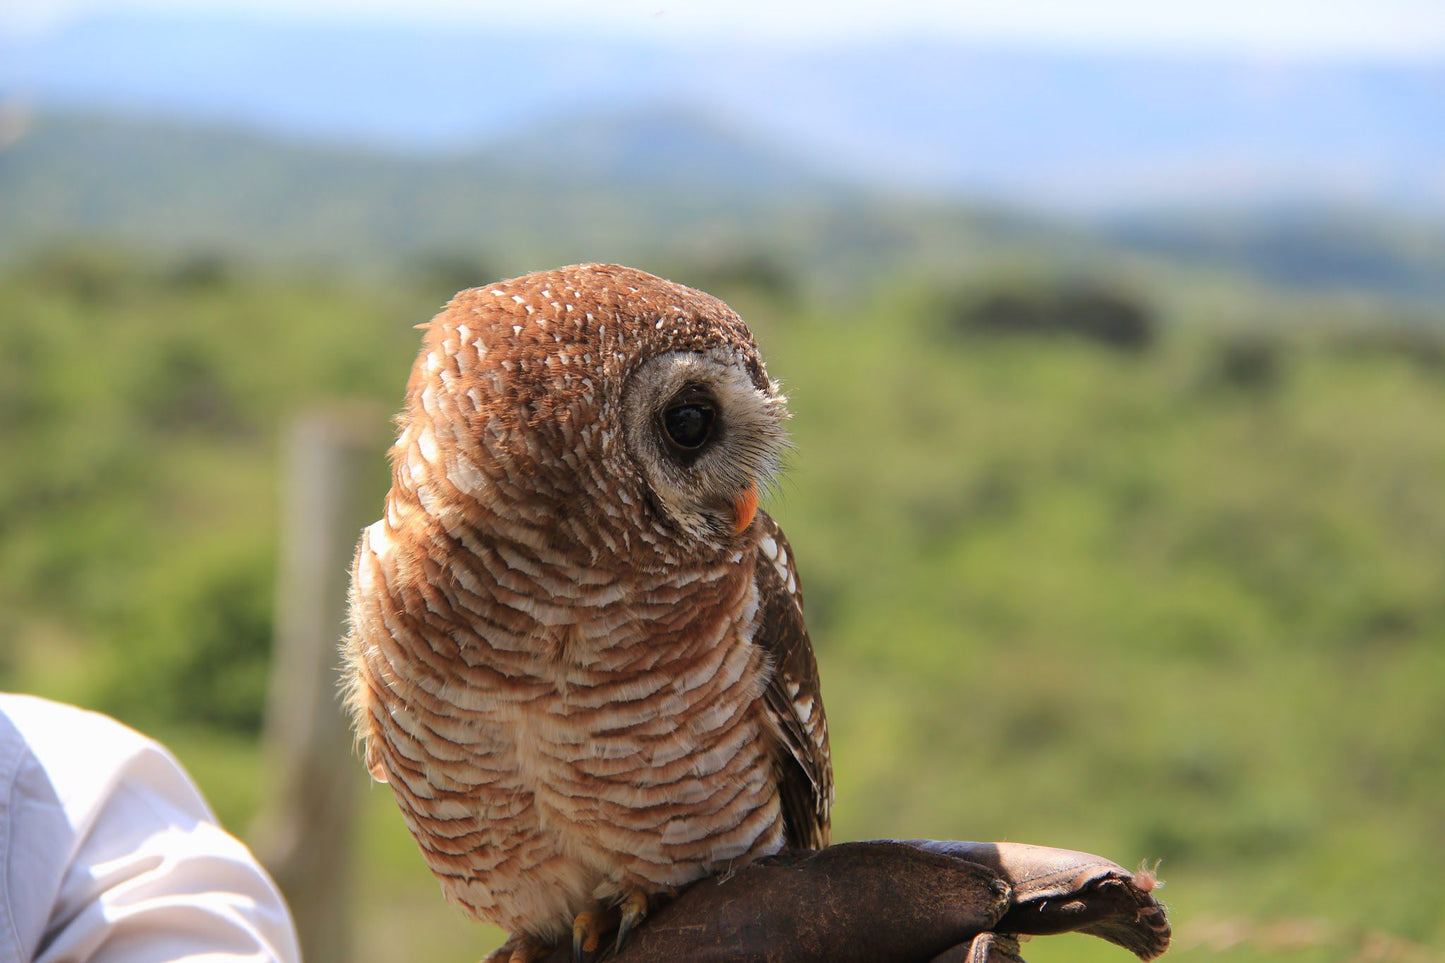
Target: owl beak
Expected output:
[745,506]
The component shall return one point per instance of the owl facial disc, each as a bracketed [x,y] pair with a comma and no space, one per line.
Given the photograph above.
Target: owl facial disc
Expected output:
[705,435]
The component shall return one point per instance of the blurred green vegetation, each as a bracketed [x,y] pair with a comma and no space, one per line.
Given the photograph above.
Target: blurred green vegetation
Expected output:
[1184,600]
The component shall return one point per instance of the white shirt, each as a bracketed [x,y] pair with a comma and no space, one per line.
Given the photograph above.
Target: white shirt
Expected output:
[109,854]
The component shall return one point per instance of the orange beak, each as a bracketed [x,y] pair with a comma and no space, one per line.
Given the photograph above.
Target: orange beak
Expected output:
[745,506]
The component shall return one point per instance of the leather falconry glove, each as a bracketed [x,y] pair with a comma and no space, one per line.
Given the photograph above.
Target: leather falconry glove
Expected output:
[888,901]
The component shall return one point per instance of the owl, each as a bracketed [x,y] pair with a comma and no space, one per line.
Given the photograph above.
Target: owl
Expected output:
[577,651]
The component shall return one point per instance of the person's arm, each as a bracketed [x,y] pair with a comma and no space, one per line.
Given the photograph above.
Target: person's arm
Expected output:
[111,855]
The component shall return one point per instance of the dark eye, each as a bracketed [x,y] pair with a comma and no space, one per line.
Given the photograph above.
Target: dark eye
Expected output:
[688,426]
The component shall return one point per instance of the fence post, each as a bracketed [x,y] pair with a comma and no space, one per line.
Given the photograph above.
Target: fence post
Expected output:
[331,487]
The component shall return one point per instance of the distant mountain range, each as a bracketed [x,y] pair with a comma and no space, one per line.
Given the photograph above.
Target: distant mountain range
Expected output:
[1087,133]
[656,187]
[182,188]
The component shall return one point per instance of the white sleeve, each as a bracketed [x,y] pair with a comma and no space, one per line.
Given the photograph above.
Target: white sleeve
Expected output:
[110,855]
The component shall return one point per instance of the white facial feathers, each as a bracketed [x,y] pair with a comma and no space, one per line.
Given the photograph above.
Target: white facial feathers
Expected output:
[742,446]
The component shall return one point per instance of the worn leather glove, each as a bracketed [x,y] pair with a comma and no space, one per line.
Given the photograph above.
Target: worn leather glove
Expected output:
[886,901]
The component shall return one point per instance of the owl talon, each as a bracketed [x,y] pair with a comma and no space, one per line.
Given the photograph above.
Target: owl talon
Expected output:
[519,948]
[634,911]
[587,930]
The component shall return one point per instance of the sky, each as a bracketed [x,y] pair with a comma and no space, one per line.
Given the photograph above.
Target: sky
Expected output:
[1378,30]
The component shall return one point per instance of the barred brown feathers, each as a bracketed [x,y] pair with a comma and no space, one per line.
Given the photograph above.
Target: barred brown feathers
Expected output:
[576,654]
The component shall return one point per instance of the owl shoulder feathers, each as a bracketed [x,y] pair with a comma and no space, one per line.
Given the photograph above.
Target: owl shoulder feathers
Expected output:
[794,703]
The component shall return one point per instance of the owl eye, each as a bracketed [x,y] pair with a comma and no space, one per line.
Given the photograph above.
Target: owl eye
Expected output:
[688,426]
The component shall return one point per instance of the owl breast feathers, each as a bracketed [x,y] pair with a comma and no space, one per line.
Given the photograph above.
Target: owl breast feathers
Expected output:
[577,650]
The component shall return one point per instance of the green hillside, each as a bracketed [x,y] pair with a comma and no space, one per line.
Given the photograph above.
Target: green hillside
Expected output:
[662,186]
[1174,597]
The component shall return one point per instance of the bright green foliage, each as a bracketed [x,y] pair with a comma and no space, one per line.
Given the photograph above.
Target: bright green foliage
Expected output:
[138,500]
[1182,602]
[1099,600]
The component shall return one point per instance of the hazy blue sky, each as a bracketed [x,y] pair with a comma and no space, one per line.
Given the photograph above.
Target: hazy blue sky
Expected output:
[1352,29]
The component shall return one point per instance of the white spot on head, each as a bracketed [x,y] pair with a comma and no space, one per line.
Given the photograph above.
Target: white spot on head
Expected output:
[517,328]
[377,538]
[417,470]
[426,442]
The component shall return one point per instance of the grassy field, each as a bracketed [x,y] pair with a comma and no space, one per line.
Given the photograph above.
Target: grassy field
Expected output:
[1184,601]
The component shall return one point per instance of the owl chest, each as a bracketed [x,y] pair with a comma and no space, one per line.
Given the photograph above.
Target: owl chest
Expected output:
[563,723]
[629,737]
[656,774]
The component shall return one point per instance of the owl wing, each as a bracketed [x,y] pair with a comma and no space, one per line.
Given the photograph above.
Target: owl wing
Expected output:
[793,700]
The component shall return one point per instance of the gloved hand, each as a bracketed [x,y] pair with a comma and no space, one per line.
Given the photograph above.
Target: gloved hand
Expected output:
[886,901]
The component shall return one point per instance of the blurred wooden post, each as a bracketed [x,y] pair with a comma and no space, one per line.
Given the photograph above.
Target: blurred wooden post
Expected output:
[329,493]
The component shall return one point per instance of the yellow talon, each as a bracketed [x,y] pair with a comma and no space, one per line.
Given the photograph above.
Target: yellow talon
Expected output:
[519,948]
[634,911]
[587,928]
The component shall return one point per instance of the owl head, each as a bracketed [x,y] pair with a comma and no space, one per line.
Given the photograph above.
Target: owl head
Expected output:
[593,408]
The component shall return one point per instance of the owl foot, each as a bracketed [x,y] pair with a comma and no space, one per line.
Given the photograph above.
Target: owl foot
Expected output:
[587,930]
[633,910]
[519,948]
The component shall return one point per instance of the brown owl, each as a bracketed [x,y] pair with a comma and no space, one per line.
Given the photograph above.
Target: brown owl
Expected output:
[577,649]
